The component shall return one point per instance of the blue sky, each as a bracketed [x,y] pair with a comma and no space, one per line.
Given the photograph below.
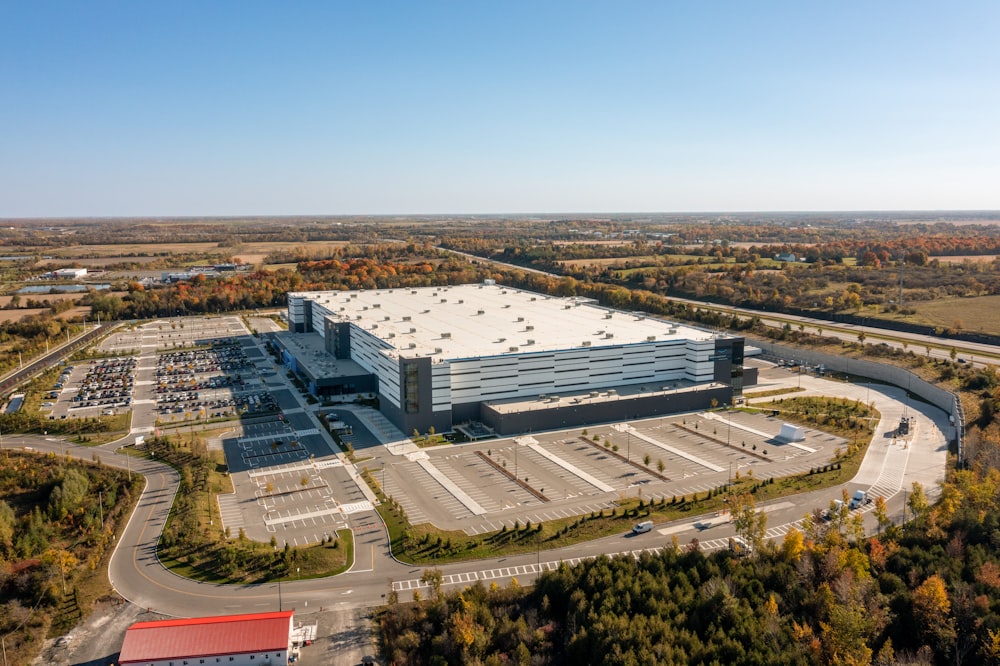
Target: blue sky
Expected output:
[241,108]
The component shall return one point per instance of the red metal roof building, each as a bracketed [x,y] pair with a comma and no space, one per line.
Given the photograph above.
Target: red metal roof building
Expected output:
[258,639]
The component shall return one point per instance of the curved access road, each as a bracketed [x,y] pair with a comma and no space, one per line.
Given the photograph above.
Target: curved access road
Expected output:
[888,470]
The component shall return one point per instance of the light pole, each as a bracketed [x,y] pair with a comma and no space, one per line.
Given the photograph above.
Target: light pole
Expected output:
[628,443]
[729,425]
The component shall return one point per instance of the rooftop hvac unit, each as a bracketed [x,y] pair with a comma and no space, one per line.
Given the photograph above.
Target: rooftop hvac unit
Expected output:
[444,300]
[608,335]
[585,343]
[390,335]
[413,291]
[406,317]
[506,306]
[413,345]
[480,312]
[413,329]
[446,335]
[533,298]
[342,308]
[376,305]
[365,308]
[461,300]
[437,350]
[520,318]
[385,318]
[502,340]
[607,315]
[357,316]
[529,327]
[671,331]
[650,338]
[374,326]
[424,311]
[512,349]
[567,307]
[530,342]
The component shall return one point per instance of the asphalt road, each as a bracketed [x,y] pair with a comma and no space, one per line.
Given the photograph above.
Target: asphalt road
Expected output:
[138,576]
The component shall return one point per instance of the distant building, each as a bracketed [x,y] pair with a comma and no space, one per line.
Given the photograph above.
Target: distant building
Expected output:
[259,639]
[787,256]
[70,273]
[512,359]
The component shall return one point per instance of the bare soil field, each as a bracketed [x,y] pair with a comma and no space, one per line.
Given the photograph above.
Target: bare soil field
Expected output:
[14,315]
[51,298]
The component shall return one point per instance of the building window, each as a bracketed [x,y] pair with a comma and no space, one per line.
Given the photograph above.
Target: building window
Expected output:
[411,387]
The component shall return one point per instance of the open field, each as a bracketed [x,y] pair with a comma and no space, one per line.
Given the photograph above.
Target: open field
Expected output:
[97,262]
[958,259]
[971,314]
[51,298]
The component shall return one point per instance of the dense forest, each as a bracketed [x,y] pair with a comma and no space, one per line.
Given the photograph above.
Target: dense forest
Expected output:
[57,524]
[924,593]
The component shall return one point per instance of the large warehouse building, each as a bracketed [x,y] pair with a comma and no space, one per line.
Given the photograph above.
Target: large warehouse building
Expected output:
[508,358]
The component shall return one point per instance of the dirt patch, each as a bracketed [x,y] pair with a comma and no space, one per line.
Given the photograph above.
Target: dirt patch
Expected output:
[97,641]
[15,315]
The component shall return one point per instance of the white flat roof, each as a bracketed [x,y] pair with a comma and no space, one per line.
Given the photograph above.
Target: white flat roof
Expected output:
[480,320]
